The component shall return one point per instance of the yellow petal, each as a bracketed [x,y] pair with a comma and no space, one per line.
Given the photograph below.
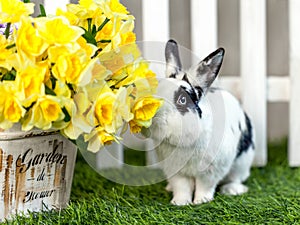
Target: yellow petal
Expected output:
[145,108]
[57,30]
[12,10]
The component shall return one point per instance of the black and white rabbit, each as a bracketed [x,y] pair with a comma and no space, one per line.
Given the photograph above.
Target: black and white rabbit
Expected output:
[203,137]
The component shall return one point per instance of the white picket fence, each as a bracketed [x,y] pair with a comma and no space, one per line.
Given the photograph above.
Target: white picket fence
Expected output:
[253,86]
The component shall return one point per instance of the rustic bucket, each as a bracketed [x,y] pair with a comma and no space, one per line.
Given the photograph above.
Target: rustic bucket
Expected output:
[36,171]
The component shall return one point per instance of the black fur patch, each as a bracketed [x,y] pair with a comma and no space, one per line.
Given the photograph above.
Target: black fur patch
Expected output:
[246,139]
[185,99]
[173,75]
[200,91]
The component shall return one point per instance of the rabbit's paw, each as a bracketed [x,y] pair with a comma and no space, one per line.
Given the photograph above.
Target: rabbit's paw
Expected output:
[203,198]
[181,199]
[233,189]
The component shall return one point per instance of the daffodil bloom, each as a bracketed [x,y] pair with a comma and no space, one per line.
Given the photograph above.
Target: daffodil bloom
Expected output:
[145,109]
[85,9]
[104,108]
[54,52]
[11,11]
[97,138]
[68,68]
[73,19]
[107,31]
[79,72]
[99,72]
[43,113]
[28,41]
[89,49]
[11,110]
[122,108]
[30,81]
[61,89]
[134,127]
[128,38]
[74,68]
[112,8]
[145,86]
[58,31]
[5,52]
[80,122]
[116,6]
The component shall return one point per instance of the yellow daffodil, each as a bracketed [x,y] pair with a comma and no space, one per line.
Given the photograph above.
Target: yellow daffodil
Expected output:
[73,19]
[89,49]
[61,89]
[122,108]
[128,38]
[11,110]
[58,30]
[104,108]
[11,11]
[78,110]
[28,41]
[85,9]
[134,127]
[79,72]
[44,112]
[30,81]
[116,6]
[113,8]
[67,68]
[145,109]
[74,68]
[54,52]
[97,138]
[5,52]
[99,72]
[106,32]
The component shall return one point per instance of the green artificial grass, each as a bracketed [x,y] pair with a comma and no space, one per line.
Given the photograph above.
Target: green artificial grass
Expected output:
[273,198]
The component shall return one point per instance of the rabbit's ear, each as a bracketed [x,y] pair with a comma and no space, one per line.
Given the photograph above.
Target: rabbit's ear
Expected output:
[205,72]
[173,66]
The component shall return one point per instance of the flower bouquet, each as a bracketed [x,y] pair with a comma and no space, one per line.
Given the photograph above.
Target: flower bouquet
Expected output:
[79,71]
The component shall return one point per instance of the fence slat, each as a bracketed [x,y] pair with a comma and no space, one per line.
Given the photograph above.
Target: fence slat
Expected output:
[294,140]
[253,70]
[156,32]
[278,88]
[203,27]
[155,20]
[51,6]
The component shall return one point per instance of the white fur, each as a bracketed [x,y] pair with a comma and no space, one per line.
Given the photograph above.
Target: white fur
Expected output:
[197,154]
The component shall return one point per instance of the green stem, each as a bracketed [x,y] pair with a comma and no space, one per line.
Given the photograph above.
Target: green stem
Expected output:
[10,46]
[7,29]
[89,25]
[103,24]
[104,41]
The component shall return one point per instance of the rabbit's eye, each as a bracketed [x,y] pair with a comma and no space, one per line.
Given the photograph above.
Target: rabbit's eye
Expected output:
[181,100]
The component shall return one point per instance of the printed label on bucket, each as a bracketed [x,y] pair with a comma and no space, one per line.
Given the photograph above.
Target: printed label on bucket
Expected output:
[35,174]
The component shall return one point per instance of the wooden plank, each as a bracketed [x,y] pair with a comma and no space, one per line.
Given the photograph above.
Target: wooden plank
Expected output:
[294,140]
[278,88]
[155,20]
[51,6]
[203,27]
[156,32]
[253,70]
[231,84]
